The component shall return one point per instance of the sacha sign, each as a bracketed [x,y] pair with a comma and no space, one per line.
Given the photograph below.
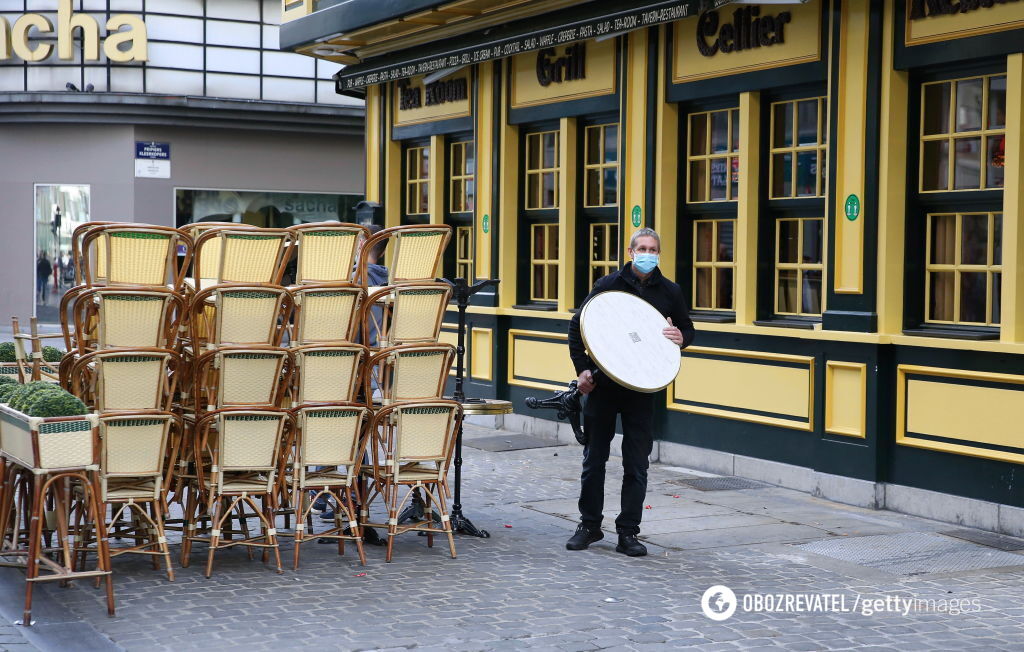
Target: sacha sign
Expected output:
[125,39]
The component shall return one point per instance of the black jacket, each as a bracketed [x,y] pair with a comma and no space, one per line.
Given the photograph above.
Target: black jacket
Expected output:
[657,290]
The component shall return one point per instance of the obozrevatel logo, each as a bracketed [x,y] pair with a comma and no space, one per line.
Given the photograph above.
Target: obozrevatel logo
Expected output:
[718,602]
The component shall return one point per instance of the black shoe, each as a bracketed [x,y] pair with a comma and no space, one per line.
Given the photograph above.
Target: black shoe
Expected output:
[584,537]
[371,538]
[327,516]
[629,546]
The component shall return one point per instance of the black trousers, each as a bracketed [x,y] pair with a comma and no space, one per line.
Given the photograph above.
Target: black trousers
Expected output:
[636,409]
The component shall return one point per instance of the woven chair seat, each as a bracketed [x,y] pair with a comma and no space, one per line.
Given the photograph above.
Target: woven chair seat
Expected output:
[406,473]
[316,479]
[136,488]
[240,485]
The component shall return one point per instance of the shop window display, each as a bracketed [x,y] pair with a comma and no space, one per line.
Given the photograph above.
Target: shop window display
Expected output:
[964,268]
[713,156]
[799,266]
[799,148]
[601,166]
[542,169]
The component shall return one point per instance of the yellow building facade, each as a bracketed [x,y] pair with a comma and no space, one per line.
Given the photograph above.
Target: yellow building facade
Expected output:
[836,183]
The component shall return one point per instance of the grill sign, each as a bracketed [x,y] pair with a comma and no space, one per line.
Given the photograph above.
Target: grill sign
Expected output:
[928,8]
[746,31]
[570,67]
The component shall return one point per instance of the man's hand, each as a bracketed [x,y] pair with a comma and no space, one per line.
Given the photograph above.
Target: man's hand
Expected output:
[585,383]
[673,333]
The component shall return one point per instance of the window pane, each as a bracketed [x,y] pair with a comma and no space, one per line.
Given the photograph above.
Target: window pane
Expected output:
[941,299]
[704,242]
[787,291]
[997,240]
[703,290]
[783,126]
[936,108]
[470,156]
[967,173]
[611,185]
[974,239]
[549,181]
[424,198]
[597,247]
[425,163]
[593,197]
[719,131]
[734,187]
[811,292]
[789,241]
[550,150]
[735,130]
[698,134]
[824,121]
[807,122]
[994,161]
[724,289]
[943,239]
[538,281]
[697,180]
[997,303]
[806,174]
[457,196]
[812,241]
[973,293]
[552,290]
[532,191]
[969,104]
[470,202]
[718,178]
[822,176]
[613,238]
[457,160]
[593,145]
[533,151]
[552,243]
[611,143]
[935,165]
[538,242]
[997,102]
[725,241]
[782,173]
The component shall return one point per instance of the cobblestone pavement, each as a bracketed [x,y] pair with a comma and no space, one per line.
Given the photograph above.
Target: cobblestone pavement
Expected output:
[522,589]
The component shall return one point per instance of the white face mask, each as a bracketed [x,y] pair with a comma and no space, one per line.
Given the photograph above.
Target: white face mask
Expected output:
[645,262]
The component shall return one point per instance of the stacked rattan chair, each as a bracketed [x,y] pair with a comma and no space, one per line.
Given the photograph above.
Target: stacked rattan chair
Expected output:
[121,325]
[411,436]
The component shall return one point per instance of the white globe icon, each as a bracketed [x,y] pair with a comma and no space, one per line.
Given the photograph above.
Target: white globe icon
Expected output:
[718,602]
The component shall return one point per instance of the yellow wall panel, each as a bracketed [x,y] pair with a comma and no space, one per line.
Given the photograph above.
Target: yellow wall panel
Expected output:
[598,80]
[539,360]
[689,64]
[425,112]
[750,386]
[481,343]
[845,398]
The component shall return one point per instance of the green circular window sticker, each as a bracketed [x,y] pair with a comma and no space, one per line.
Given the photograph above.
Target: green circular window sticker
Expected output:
[636,216]
[852,207]
[487,224]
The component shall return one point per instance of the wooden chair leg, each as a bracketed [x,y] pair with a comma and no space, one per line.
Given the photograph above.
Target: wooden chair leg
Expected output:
[34,540]
[301,500]
[215,525]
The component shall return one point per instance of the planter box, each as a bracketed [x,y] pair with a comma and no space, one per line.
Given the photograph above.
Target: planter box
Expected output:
[49,444]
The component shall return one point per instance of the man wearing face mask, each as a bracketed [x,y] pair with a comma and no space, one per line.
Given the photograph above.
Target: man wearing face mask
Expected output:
[606,399]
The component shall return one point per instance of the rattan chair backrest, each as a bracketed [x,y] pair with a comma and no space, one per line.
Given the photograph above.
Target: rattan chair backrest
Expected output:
[135,254]
[327,312]
[120,380]
[78,253]
[239,376]
[134,444]
[250,440]
[413,252]
[241,255]
[331,435]
[411,372]
[326,251]
[240,314]
[328,372]
[108,318]
[414,432]
[405,314]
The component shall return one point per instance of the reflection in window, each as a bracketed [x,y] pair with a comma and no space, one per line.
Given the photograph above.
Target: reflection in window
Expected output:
[601,166]
[713,264]
[964,268]
[604,250]
[799,148]
[542,163]
[963,133]
[713,156]
[266,209]
[59,210]
[544,262]
[462,178]
[798,266]
[417,180]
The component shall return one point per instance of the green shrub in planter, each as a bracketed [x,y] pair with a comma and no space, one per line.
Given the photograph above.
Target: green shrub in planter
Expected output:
[6,390]
[21,397]
[7,352]
[52,354]
[7,380]
[55,404]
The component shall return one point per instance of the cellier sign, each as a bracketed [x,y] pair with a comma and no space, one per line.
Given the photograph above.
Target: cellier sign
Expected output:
[927,8]
[15,37]
[747,30]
